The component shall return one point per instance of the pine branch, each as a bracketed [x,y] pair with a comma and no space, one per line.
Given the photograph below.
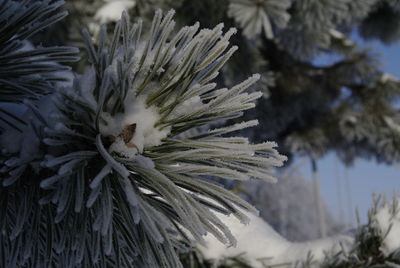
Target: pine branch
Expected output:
[27,71]
[111,168]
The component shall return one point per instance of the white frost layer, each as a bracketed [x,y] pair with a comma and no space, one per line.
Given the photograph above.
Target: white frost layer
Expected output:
[187,107]
[146,134]
[112,10]
[258,241]
[385,220]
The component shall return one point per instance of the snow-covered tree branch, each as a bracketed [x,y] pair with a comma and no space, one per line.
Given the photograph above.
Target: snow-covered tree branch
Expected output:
[107,170]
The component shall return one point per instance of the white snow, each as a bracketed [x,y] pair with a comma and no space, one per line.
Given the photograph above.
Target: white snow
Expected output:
[338,35]
[391,123]
[121,148]
[112,10]
[146,134]
[351,119]
[258,241]
[389,223]
[388,77]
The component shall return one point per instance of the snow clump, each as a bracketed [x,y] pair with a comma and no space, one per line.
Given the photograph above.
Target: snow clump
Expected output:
[143,134]
[261,245]
[112,9]
[388,220]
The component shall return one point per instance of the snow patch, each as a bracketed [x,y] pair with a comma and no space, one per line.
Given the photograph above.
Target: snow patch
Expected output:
[391,123]
[388,78]
[122,149]
[262,245]
[145,133]
[338,35]
[389,223]
[112,10]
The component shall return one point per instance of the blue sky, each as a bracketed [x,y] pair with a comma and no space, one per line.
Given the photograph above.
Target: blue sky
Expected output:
[365,177]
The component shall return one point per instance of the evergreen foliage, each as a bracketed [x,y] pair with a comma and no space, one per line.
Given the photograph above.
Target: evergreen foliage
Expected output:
[255,17]
[27,71]
[115,176]
[371,240]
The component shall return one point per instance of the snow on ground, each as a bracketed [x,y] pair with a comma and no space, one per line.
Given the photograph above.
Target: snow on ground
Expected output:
[260,242]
